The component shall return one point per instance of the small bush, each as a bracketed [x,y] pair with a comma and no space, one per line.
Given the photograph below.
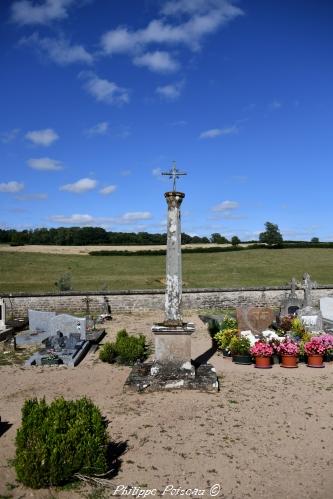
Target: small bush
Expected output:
[125,350]
[58,440]
[65,282]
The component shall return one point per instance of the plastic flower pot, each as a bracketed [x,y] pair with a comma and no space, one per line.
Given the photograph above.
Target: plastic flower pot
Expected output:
[289,361]
[315,360]
[263,362]
[226,353]
[245,359]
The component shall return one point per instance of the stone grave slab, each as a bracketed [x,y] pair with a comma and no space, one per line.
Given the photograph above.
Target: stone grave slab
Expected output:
[326,308]
[311,318]
[256,319]
[40,321]
[68,324]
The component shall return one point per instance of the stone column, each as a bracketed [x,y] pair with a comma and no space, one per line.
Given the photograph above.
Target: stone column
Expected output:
[2,314]
[173,295]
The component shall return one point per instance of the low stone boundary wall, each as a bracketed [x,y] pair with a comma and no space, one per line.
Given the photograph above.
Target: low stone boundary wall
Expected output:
[17,305]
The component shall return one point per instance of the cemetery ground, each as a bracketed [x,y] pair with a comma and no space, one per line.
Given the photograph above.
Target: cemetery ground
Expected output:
[38,272]
[266,433]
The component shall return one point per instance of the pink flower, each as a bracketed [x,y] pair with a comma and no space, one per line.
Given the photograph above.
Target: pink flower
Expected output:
[288,347]
[318,345]
[261,349]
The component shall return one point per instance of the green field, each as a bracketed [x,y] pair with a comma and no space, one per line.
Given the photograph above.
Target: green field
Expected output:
[37,272]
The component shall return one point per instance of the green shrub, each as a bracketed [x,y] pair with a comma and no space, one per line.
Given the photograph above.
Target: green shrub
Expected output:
[125,350]
[239,345]
[224,337]
[58,440]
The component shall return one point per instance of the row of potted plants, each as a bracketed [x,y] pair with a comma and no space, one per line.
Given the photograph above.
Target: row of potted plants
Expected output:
[291,344]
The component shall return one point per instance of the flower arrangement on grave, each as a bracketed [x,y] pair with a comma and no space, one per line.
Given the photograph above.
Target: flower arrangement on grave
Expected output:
[262,351]
[316,346]
[228,331]
[285,323]
[288,347]
[224,337]
[239,345]
[315,350]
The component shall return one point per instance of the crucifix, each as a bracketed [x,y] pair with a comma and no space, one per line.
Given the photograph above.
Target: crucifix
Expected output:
[174,174]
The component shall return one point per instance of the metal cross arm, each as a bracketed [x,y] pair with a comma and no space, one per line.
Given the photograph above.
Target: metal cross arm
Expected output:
[174,174]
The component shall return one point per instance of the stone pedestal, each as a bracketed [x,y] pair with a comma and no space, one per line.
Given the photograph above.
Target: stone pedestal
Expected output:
[173,344]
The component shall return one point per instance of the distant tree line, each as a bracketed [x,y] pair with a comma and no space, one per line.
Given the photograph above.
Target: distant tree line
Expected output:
[79,236]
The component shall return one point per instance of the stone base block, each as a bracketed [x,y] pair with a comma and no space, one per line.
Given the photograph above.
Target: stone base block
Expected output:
[153,376]
[173,344]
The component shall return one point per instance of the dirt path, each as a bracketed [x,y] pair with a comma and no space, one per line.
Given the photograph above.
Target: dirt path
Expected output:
[265,434]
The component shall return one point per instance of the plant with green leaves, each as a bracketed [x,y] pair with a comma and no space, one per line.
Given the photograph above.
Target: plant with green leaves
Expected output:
[224,337]
[58,440]
[125,350]
[229,323]
[239,345]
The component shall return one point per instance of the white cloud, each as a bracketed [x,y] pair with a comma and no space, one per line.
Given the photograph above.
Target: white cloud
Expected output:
[12,186]
[98,129]
[125,173]
[202,22]
[217,132]
[44,137]
[108,190]
[135,216]
[157,172]
[59,50]
[274,105]
[104,90]
[7,137]
[82,185]
[38,196]
[45,164]
[86,219]
[170,92]
[26,12]
[226,206]
[175,7]
[158,62]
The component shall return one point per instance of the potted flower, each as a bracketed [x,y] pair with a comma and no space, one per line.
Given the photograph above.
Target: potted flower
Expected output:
[315,350]
[223,339]
[240,350]
[288,349]
[327,340]
[262,352]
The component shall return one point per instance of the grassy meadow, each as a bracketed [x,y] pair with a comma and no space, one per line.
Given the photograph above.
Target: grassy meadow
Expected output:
[38,272]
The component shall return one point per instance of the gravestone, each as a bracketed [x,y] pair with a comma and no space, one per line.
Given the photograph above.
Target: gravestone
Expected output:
[291,303]
[326,308]
[40,321]
[311,318]
[68,324]
[256,319]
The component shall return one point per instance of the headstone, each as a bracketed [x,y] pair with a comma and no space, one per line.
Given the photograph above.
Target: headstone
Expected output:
[291,303]
[326,308]
[68,324]
[40,321]
[311,318]
[308,286]
[256,319]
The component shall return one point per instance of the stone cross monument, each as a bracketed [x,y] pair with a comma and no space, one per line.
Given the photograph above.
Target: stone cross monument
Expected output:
[173,336]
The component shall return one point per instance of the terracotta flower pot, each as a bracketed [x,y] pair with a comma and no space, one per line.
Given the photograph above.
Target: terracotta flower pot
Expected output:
[289,360]
[263,362]
[315,360]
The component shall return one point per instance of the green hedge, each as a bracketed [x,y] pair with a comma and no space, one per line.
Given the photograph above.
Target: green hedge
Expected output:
[126,349]
[58,440]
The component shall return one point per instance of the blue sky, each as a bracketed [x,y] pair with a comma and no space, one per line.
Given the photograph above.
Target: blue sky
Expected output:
[99,96]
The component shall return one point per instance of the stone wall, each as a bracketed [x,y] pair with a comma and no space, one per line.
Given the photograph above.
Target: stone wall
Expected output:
[17,305]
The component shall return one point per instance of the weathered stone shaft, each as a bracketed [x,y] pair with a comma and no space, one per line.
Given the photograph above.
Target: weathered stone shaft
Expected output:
[173,296]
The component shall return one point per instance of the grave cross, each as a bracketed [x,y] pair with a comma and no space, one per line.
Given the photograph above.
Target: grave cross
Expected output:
[174,174]
[308,285]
